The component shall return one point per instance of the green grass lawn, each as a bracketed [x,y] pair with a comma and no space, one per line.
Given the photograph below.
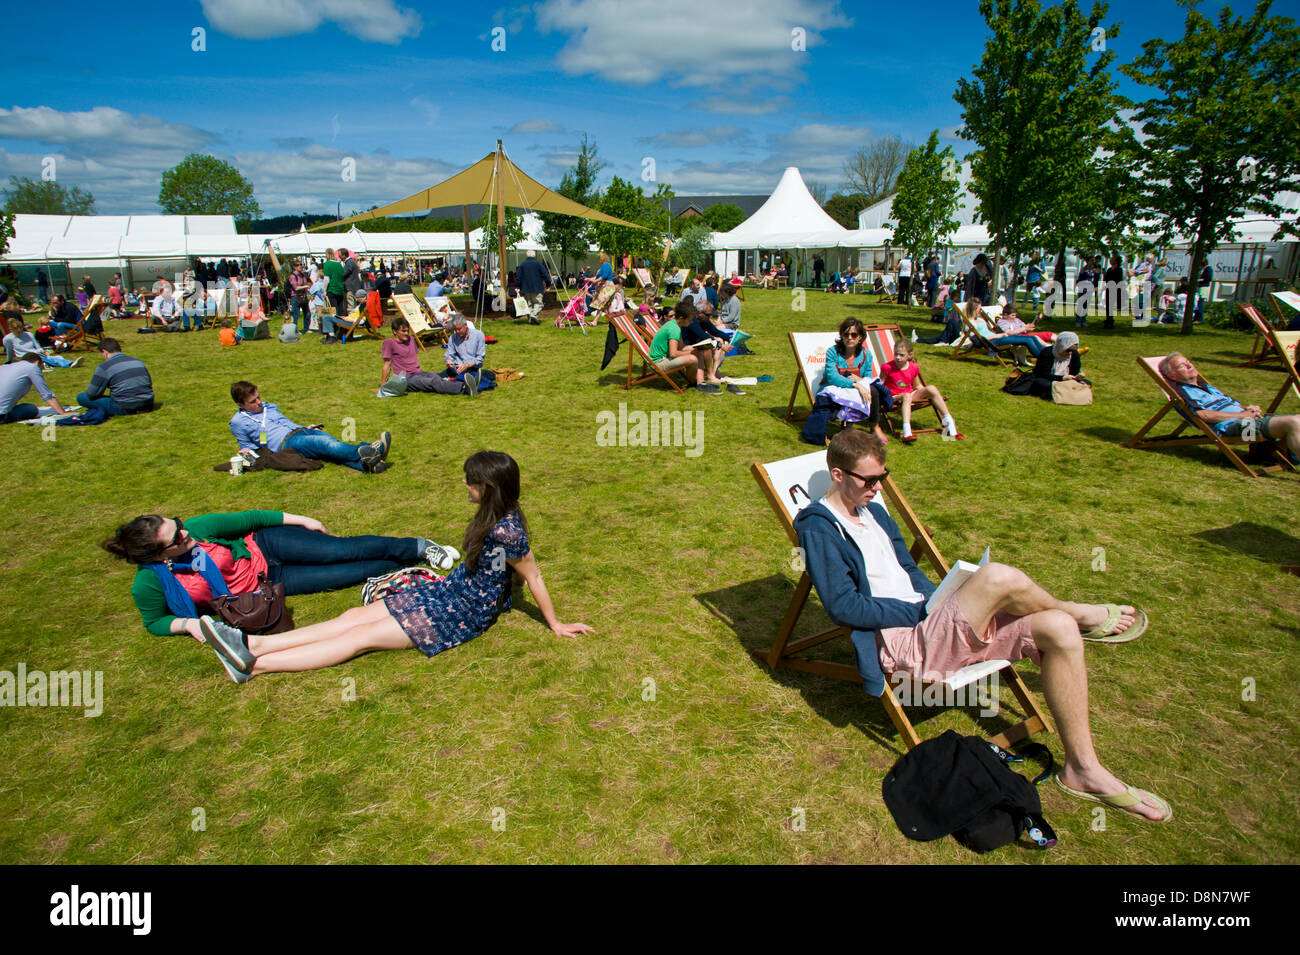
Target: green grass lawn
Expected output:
[681,567]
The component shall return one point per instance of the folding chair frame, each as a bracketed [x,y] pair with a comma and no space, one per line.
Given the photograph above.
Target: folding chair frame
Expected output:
[79,337]
[783,652]
[1189,419]
[880,338]
[638,346]
[977,342]
[1263,333]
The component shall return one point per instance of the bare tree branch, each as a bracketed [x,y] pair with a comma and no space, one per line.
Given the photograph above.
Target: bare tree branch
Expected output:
[873,169]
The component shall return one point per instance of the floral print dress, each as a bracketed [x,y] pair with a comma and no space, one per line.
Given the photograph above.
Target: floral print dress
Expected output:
[461,606]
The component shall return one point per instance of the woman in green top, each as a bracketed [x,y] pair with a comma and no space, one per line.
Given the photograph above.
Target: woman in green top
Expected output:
[184,564]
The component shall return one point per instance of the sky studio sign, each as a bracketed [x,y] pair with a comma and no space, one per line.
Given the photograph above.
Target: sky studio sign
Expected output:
[75,688]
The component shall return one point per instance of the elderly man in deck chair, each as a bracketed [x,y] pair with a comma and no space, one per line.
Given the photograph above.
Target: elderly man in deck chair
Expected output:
[1226,415]
[868,582]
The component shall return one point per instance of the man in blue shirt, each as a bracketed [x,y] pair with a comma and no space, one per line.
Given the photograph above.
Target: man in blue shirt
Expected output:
[258,425]
[1226,415]
[534,279]
[466,349]
[18,378]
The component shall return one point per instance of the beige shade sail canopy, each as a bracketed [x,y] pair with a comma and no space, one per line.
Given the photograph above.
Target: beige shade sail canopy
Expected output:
[478,184]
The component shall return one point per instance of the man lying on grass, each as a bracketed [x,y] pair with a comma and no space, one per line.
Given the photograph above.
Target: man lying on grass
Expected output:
[258,424]
[867,581]
[1226,415]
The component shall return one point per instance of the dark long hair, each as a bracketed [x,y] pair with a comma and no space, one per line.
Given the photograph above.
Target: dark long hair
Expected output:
[498,475]
[136,540]
[845,325]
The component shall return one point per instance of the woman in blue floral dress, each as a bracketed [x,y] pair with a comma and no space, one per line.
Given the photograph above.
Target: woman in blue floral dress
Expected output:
[433,618]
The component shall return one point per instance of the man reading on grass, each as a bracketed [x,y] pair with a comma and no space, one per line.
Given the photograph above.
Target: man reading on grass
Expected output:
[867,581]
[668,353]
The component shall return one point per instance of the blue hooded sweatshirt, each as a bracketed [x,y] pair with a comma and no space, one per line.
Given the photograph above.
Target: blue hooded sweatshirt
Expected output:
[839,573]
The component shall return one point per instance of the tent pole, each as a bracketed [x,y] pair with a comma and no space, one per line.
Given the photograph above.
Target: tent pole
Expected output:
[464,224]
[501,225]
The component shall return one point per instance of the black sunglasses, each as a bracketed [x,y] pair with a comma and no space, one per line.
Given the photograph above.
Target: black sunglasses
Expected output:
[176,538]
[869,481]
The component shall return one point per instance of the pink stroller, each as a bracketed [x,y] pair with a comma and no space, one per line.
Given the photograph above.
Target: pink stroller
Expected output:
[575,312]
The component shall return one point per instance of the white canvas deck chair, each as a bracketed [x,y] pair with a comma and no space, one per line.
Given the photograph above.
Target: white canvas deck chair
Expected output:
[810,350]
[1264,347]
[1202,433]
[1289,299]
[410,309]
[791,485]
[880,339]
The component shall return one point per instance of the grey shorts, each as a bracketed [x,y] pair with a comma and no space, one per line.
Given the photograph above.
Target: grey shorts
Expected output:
[1233,428]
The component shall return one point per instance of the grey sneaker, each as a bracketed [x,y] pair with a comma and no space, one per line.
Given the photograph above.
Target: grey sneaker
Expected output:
[708,388]
[734,390]
[471,384]
[237,675]
[76,363]
[228,642]
[375,450]
[376,467]
[441,556]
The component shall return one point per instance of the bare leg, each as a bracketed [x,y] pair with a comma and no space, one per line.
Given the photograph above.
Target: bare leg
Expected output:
[907,413]
[998,587]
[357,639]
[936,400]
[317,632]
[1287,429]
[1065,685]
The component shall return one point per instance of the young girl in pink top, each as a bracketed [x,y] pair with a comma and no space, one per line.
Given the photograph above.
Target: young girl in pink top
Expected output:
[899,376]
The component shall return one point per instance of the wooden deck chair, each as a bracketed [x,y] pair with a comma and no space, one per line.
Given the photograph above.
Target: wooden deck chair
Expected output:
[792,484]
[637,345]
[358,323]
[1290,299]
[643,278]
[1189,420]
[810,350]
[880,339]
[79,337]
[1286,345]
[418,319]
[1263,349]
[972,341]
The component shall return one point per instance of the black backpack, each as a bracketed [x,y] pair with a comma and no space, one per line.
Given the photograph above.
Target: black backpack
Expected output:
[961,786]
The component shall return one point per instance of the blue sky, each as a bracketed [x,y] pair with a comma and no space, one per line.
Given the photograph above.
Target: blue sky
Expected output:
[287,90]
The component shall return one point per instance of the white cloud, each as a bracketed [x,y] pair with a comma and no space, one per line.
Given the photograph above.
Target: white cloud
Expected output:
[688,43]
[707,136]
[535,126]
[730,106]
[379,21]
[102,124]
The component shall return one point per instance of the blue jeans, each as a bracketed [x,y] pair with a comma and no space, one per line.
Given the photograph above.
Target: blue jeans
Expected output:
[61,328]
[105,404]
[23,412]
[297,305]
[951,332]
[195,314]
[307,562]
[320,446]
[58,361]
[1032,342]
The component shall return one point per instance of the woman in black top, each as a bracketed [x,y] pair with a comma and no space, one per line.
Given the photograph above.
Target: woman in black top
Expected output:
[1061,362]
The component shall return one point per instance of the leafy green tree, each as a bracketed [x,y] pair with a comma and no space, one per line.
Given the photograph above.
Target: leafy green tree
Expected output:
[626,201]
[692,249]
[1222,138]
[724,216]
[926,199]
[513,226]
[570,236]
[207,186]
[46,197]
[1037,111]
[6,231]
[844,209]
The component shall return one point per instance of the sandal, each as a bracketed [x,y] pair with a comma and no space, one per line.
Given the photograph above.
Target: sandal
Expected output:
[1105,632]
[1127,799]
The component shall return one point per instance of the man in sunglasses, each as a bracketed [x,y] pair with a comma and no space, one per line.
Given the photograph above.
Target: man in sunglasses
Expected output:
[868,582]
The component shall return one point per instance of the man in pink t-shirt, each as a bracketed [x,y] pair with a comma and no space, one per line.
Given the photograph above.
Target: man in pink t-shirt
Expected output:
[401,355]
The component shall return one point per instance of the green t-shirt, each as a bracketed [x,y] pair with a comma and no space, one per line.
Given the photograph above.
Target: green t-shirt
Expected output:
[333,277]
[659,345]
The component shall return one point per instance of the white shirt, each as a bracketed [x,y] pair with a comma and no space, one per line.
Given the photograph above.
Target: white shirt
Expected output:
[884,575]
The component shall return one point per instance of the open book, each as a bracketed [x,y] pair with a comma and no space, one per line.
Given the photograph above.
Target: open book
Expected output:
[961,570]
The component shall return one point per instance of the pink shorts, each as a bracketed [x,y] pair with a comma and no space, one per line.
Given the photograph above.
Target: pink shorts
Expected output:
[945,641]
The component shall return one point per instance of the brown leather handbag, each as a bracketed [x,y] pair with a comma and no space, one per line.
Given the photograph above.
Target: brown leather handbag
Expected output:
[258,611]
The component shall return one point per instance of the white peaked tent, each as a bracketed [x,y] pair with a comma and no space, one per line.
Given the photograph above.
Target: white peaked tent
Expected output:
[790,219]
